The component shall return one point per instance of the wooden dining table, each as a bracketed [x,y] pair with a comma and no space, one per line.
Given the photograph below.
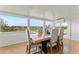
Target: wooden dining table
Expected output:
[41,40]
[38,39]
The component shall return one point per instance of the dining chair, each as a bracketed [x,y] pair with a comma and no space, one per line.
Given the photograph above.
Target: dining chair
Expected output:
[53,40]
[40,32]
[31,47]
[60,39]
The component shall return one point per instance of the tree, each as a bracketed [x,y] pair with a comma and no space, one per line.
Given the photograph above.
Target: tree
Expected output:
[3,25]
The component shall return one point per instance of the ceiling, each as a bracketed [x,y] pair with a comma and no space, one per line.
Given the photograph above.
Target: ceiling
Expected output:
[49,12]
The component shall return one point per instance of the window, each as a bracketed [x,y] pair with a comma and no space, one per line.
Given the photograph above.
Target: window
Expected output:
[49,24]
[36,25]
[57,24]
[12,30]
[36,22]
[64,24]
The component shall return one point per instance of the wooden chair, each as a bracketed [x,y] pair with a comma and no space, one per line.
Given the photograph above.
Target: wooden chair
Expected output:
[60,38]
[31,48]
[53,40]
[40,32]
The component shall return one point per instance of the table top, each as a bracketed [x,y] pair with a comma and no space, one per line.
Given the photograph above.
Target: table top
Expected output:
[38,39]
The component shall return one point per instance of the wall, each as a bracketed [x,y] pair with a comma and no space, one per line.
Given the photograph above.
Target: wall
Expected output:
[75,24]
[73,21]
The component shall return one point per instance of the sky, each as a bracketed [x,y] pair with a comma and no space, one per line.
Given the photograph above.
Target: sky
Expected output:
[19,21]
[16,21]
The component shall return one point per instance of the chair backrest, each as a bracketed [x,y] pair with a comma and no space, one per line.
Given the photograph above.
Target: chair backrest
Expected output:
[54,35]
[61,33]
[28,37]
[40,32]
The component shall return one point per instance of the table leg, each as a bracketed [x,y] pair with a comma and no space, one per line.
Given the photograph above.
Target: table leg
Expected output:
[44,47]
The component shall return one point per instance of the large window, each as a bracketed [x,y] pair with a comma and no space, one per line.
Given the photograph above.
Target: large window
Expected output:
[36,25]
[12,30]
[12,23]
[60,22]
[49,25]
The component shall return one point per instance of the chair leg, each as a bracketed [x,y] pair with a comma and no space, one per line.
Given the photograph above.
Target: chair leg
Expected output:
[26,49]
[29,48]
[62,43]
[50,48]
[41,50]
[57,46]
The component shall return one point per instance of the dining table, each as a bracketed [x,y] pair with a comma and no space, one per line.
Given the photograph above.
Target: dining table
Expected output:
[41,40]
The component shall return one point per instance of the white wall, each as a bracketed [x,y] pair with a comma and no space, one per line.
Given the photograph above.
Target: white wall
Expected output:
[75,24]
[73,19]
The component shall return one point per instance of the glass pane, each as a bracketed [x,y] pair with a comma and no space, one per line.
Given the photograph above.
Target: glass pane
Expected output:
[49,26]
[64,24]
[49,23]
[36,22]
[36,25]
[12,30]
[57,24]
